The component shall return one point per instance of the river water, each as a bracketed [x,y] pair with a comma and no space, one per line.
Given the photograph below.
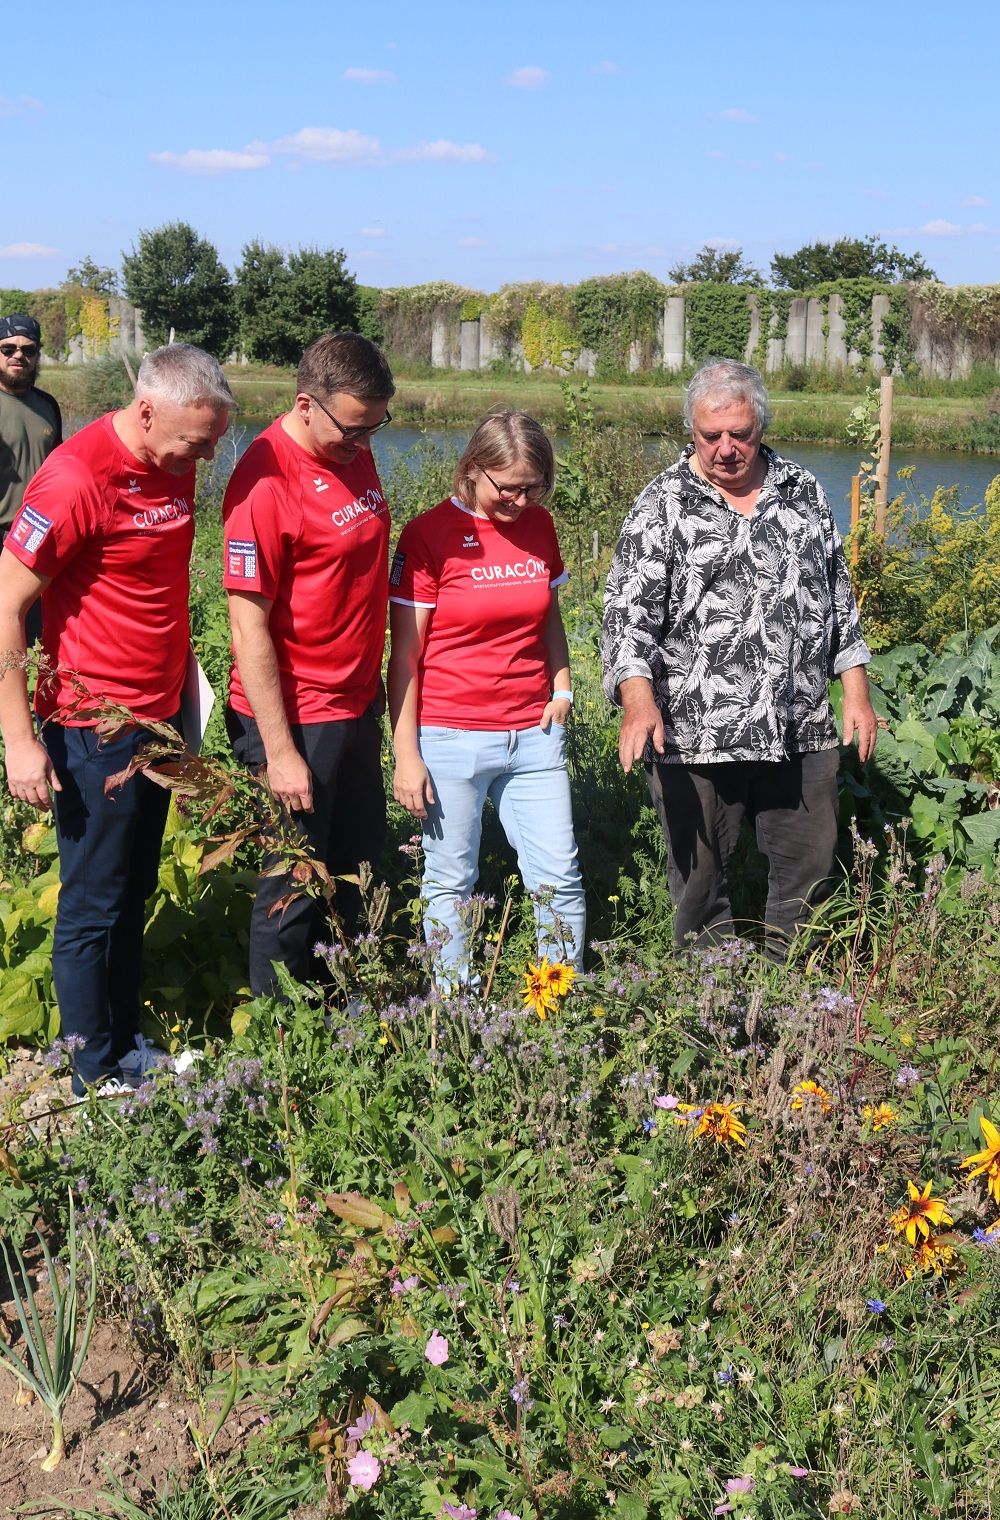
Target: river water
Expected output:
[833,467]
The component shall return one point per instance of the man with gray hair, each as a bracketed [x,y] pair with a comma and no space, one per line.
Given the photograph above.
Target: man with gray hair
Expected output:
[104,536]
[728,610]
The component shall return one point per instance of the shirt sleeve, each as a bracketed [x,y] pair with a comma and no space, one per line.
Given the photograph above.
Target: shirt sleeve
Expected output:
[636,593]
[847,644]
[414,574]
[256,536]
[60,512]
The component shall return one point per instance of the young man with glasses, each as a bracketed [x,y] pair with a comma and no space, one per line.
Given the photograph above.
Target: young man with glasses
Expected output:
[30,426]
[306,569]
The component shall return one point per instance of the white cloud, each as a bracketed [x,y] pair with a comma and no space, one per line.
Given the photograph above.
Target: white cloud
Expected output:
[443,151]
[941,228]
[372,232]
[714,153]
[329,145]
[528,78]
[973,200]
[782,158]
[211,160]
[472,242]
[369,76]
[26,251]
[606,67]
[11,107]
[737,113]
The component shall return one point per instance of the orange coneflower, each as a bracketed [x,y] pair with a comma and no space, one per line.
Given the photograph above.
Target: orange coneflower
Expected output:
[987,1163]
[810,1089]
[920,1213]
[713,1121]
[879,1116]
[538,993]
[931,1256]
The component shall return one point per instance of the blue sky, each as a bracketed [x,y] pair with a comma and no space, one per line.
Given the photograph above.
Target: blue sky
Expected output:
[488,143]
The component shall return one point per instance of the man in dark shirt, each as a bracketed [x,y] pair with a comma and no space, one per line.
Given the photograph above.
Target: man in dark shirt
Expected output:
[30,426]
[728,610]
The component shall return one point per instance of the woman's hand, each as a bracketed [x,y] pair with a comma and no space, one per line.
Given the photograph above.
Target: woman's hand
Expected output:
[411,786]
[556,711]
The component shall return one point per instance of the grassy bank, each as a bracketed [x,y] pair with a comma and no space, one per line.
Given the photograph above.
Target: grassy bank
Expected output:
[442,397]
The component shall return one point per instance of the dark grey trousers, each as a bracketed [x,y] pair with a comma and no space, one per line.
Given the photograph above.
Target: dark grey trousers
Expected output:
[792,805]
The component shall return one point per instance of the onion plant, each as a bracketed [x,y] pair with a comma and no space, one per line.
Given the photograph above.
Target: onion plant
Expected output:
[51,1362]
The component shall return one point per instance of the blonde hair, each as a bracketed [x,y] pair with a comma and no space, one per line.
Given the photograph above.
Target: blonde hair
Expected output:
[503,439]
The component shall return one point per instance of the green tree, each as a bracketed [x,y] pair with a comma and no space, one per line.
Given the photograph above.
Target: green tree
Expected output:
[260,301]
[717,266]
[282,304]
[178,281]
[98,279]
[847,259]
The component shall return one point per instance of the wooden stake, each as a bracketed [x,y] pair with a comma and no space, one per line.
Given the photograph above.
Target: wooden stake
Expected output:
[855,515]
[885,445]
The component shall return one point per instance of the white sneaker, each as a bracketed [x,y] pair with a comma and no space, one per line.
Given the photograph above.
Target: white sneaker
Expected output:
[112,1088]
[137,1065]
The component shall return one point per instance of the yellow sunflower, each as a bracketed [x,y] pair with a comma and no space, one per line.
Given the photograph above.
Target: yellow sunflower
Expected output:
[920,1213]
[931,1256]
[561,978]
[810,1089]
[538,993]
[715,1121]
[879,1116]
[987,1163]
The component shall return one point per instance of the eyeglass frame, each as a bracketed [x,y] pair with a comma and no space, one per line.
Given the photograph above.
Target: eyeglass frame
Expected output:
[348,434]
[28,350]
[511,493]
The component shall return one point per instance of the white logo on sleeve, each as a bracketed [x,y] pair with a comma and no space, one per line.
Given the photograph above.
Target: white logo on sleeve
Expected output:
[321,484]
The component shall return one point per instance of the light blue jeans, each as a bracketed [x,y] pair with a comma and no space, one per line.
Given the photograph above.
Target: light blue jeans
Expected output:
[523,772]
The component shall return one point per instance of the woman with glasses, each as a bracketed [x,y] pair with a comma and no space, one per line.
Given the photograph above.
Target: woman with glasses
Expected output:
[479,688]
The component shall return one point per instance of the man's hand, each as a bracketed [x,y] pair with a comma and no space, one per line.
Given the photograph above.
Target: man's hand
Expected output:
[31,775]
[411,785]
[290,780]
[557,712]
[858,716]
[641,722]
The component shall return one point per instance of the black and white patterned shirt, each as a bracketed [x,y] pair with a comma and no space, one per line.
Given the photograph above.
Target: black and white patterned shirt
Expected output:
[738,622]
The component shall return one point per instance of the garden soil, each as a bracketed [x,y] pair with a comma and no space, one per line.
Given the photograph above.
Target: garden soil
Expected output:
[124,1417]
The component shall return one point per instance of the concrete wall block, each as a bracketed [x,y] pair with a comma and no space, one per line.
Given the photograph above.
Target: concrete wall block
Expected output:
[775,354]
[795,340]
[468,344]
[754,337]
[488,350]
[836,343]
[880,308]
[673,333]
[815,336]
[633,358]
[586,362]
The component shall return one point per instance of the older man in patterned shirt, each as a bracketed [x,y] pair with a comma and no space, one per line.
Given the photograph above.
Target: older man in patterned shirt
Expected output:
[728,609]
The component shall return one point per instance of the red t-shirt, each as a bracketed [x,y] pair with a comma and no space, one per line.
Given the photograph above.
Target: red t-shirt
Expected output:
[484,663]
[313,538]
[115,537]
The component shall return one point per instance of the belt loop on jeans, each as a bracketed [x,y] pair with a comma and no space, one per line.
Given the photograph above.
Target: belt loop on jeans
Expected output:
[511,744]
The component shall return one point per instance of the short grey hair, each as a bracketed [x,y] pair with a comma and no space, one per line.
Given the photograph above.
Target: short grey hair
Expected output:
[185,375]
[722,380]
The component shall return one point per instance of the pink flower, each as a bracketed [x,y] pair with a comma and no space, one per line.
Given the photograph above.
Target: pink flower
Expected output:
[744,1485]
[364,1470]
[506,1514]
[436,1350]
[799,1472]
[404,1286]
[361,1427]
[666,1100]
[459,1511]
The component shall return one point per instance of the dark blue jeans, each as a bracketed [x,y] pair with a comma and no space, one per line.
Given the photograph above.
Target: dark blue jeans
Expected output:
[345,827]
[109,855]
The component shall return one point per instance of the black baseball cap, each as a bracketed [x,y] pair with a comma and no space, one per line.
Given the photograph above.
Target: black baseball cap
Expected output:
[20,326]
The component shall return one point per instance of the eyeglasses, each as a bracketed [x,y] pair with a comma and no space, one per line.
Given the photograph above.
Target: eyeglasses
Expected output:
[26,350]
[352,434]
[511,493]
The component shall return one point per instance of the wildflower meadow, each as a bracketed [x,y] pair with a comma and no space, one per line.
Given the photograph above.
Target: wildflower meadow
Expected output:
[670,1237]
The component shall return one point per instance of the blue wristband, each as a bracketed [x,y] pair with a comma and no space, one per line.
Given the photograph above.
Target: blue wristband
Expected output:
[563,696]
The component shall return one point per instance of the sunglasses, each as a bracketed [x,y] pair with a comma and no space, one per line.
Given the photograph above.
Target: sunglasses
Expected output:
[352,434]
[27,350]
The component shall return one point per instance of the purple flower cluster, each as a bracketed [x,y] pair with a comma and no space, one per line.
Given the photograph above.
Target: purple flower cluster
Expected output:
[206,1102]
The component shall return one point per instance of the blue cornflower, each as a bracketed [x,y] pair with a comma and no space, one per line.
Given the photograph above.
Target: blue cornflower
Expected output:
[875,1305]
